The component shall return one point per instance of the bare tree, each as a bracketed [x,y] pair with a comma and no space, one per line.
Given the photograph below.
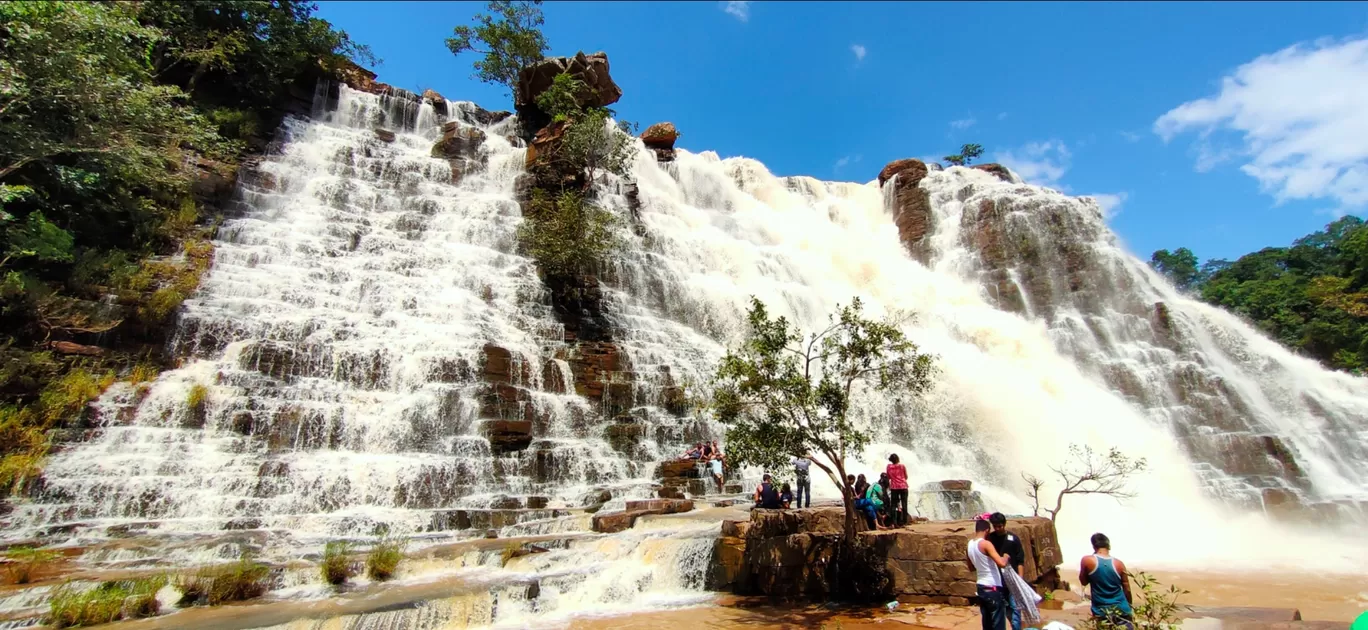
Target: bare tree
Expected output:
[1087,472]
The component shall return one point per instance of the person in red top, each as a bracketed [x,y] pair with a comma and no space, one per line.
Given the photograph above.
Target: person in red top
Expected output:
[897,483]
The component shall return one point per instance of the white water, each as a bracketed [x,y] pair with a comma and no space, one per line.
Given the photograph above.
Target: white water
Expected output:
[375,267]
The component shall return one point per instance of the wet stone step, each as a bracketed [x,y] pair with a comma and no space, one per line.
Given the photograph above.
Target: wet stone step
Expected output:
[449,520]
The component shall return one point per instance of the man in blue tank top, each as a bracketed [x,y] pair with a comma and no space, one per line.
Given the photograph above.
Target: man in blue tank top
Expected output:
[1109,583]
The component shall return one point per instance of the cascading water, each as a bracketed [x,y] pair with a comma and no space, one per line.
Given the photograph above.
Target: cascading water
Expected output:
[372,346]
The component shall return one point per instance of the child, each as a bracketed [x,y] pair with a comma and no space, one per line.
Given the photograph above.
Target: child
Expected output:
[785,495]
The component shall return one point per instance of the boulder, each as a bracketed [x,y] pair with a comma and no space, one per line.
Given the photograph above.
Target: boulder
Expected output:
[384,135]
[615,522]
[458,141]
[686,468]
[439,102]
[911,170]
[660,506]
[476,115]
[599,88]
[996,169]
[507,436]
[660,139]
[727,565]
[770,523]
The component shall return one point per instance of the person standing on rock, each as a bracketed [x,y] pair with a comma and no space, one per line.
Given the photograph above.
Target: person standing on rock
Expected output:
[1007,544]
[715,466]
[1109,584]
[897,486]
[803,483]
[987,566]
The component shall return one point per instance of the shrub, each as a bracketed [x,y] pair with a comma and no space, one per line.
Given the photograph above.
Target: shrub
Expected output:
[384,559]
[241,580]
[195,399]
[567,234]
[110,601]
[25,561]
[1154,608]
[143,373]
[558,101]
[337,566]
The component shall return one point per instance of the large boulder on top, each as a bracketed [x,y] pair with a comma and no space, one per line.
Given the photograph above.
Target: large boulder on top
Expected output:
[661,135]
[599,88]
[996,169]
[660,139]
[911,171]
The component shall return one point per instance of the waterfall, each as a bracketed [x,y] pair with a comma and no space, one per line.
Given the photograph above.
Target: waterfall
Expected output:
[369,337]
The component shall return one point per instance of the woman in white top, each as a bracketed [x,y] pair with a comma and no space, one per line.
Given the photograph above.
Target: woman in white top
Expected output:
[987,565]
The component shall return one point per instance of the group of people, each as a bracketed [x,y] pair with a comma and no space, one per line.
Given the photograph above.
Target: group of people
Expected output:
[884,502]
[996,557]
[710,454]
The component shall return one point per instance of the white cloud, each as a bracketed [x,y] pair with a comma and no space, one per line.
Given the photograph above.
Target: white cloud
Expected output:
[1130,136]
[1110,202]
[738,8]
[860,51]
[963,123]
[1041,163]
[1297,117]
[845,161]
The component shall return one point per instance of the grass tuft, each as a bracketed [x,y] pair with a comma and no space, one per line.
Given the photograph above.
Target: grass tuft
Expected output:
[337,566]
[384,559]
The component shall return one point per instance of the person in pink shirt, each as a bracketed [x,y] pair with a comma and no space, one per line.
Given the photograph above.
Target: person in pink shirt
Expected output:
[897,484]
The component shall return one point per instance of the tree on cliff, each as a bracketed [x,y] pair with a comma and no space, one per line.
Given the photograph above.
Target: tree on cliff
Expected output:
[1087,472]
[512,40]
[968,153]
[1179,266]
[783,394]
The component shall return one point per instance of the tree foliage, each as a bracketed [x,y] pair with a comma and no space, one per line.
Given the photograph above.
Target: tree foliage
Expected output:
[1087,472]
[509,36]
[567,234]
[968,153]
[1311,296]
[1179,266]
[783,393]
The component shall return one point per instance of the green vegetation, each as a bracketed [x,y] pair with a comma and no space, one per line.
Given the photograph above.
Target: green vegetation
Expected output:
[1087,472]
[24,562]
[337,565]
[784,394]
[1311,296]
[239,581]
[968,153]
[384,558]
[194,400]
[110,601]
[1153,608]
[1179,266]
[110,114]
[567,234]
[511,40]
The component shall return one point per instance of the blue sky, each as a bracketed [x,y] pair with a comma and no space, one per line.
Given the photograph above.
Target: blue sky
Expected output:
[1223,127]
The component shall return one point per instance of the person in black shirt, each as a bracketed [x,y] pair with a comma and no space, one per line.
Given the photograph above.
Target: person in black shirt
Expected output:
[766,495]
[1009,545]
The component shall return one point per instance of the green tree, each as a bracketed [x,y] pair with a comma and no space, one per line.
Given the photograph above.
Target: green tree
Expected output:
[76,82]
[1179,266]
[783,394]
[968,153]
[510,38]
[567,234]
[37,238]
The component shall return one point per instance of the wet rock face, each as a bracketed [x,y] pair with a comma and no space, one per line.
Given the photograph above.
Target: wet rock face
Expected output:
[911,205]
